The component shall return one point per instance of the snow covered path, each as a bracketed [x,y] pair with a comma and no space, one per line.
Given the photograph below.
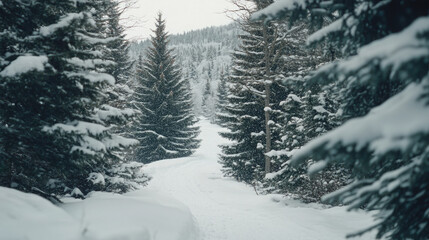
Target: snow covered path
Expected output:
[187,199]
[225,209]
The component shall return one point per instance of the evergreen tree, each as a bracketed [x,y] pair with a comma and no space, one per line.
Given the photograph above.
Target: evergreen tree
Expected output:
[244,158]
[306,117]
[118,95]
[208,103]
[246,111]
[117,51]
[116,109]
[298,119]
[388,153]
[192,50]
[14,17]
[222,95]
[166,128]
[52,87]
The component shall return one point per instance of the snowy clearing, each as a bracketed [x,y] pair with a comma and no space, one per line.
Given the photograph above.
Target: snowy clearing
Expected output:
[226,209]
[187,199]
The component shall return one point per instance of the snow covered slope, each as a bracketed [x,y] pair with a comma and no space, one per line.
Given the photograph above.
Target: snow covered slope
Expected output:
[226,209]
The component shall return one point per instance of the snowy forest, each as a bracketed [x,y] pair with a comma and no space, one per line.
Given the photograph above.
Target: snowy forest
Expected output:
[301,119]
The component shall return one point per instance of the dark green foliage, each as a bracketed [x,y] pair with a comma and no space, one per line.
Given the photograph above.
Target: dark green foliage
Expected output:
[307,112]
[361,21]
[386,80]
[243,159]
[388,179]
[208,104]
[200,54]
[244,114]
[120,94]
[166,128]
[306,116]
[54,128]
[222,95]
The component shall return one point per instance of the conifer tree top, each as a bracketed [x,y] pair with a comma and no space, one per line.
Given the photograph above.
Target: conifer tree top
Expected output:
[160,34]
[166,128]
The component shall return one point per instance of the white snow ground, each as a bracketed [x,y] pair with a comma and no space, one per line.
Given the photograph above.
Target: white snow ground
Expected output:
[141,215]
[227,210]
[187,199]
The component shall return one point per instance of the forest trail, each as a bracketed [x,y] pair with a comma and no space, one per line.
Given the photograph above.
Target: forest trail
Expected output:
[228,210]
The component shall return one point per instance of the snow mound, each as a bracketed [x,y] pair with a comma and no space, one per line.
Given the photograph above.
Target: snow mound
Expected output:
[30,217]
[140,215]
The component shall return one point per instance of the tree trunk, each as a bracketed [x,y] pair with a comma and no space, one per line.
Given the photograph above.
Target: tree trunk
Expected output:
[267,84]
[10,177]
[267,128]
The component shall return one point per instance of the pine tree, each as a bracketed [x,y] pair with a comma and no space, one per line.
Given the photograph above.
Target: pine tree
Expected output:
[208,104]
[246,111]
[117,51]
[122,114]
[302,117]
[306,117]
[388,153]
[222,95]
[53,83]
[194,45]
[120,94]
[166,128]
[14,17]
[244,158]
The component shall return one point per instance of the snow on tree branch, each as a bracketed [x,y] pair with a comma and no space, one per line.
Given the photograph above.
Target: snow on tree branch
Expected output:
[24,64]
[277,7]
[386,128]
[64,22]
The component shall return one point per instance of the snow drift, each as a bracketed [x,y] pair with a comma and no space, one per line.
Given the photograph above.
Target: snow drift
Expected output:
[142,215]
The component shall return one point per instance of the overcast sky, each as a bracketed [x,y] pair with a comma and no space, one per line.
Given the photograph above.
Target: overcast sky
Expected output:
[181,15]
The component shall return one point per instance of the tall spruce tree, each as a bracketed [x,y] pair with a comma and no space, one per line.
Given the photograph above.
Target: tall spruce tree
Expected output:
[116,110]
[118,95]
[117,51]
[246,111]
[166,128]
[208,104]
[307,112]
[222,94]
[52,82]
[244,158]
[382,92]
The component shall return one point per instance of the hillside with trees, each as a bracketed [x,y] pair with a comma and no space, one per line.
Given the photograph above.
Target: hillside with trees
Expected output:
[204,58]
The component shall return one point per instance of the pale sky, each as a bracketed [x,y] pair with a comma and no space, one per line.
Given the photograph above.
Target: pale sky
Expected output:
[180,15]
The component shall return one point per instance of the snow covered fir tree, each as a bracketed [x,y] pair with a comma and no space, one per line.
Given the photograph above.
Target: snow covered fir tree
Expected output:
[202,55]
[244,159]
[276,113]
[307,119]
[166,128]
[55,131]
[385,81]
